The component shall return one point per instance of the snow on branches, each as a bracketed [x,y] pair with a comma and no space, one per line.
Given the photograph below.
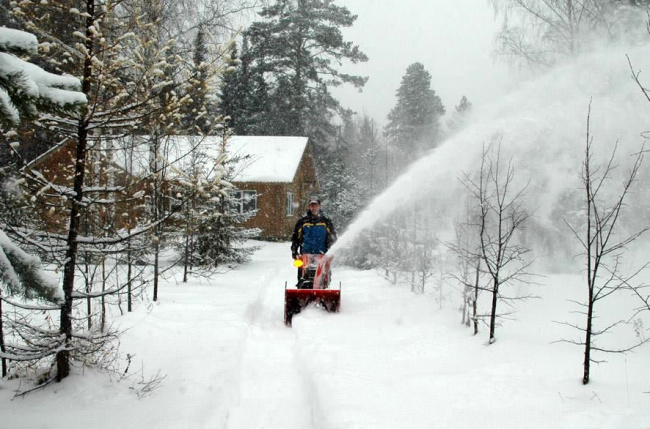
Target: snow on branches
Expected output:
[26,88]
[22,275]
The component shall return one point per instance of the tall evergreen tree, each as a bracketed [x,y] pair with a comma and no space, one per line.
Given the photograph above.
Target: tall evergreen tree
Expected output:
[233,92]
[200,114]
[245,97]
[297,49]
[414,123]
[290,60]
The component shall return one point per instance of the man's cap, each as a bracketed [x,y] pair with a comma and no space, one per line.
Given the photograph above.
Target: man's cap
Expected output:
[314,200]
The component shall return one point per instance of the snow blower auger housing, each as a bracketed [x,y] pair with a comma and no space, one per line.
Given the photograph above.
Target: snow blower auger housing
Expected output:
[313,287]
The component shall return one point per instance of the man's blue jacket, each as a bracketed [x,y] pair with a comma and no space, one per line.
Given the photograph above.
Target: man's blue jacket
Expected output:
[313,234]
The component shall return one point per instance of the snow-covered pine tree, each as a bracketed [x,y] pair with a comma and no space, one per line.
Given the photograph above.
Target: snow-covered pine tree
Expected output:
[207,230]
[341,191]
[220,236]
[233,92]
[199,115]
[244,97]
[25,90]
[21,275]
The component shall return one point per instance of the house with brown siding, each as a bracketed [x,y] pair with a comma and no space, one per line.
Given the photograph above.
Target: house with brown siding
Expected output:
[56,166]
[275,176]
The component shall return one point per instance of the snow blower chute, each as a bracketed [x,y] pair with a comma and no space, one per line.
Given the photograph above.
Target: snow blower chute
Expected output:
[313,287]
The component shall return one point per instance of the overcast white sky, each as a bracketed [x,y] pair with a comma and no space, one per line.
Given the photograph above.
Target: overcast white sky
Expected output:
[453,39]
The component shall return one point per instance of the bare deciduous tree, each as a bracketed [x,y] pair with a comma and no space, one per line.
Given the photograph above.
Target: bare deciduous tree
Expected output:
[501,216]
[539,32]
[603,250]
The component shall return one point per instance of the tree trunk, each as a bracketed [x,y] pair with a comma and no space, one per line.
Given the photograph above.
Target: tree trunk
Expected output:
[465,320]
[102,323]
[157,201]
[155,270]
[591,271]
[475,300]
[129,269]
[63,355]
[590,312]
[88,277]
[89,286]
[65,328]
[2,342]
[493,314]
[187,257]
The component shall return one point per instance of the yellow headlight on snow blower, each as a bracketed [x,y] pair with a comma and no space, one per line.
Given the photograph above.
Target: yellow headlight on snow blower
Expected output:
[297,263]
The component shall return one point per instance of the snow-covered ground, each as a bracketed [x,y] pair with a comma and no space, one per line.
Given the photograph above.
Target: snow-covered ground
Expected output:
[390,359]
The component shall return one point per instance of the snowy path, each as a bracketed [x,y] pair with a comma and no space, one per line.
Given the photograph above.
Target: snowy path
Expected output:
[268,381]
[390,359]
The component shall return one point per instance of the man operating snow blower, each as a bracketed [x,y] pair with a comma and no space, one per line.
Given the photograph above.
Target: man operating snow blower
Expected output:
[314,233]
[312,237]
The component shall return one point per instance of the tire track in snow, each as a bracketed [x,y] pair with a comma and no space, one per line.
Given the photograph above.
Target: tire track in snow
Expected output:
[268,382]
[318,414]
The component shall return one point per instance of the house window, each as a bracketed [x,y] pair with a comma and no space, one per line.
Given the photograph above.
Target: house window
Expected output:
[244,201]
[289,207]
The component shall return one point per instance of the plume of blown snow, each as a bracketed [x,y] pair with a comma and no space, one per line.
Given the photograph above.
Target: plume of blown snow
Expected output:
[542,129]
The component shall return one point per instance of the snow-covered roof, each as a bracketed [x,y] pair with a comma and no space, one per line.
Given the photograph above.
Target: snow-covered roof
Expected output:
[270,159]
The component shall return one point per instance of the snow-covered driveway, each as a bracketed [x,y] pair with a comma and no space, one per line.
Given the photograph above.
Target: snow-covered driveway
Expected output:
[390,359]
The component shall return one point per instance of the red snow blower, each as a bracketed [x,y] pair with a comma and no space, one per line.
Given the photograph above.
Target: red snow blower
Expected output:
[313,287]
